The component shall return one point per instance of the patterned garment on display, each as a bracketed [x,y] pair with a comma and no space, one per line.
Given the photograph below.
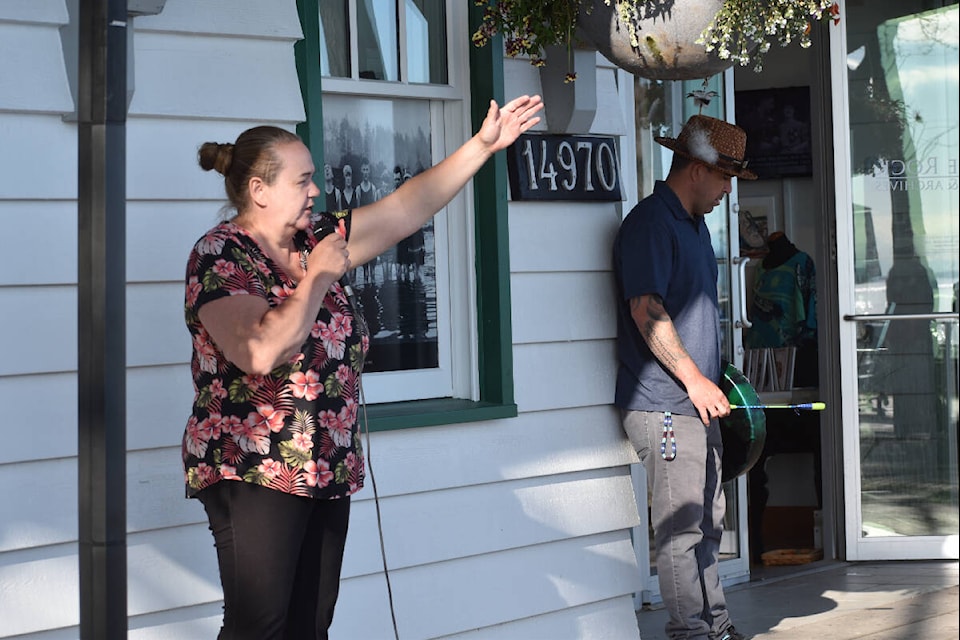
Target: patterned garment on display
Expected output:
[783,311]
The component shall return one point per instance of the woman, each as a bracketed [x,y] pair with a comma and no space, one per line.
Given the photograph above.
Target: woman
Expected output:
[272,448]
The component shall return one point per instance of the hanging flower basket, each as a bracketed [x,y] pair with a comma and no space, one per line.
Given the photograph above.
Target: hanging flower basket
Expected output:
[681,40]
[652,41]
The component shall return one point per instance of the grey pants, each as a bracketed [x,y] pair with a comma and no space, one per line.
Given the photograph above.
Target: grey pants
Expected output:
[687,510]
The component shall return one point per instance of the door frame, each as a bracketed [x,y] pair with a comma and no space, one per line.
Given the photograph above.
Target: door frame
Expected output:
[737,569]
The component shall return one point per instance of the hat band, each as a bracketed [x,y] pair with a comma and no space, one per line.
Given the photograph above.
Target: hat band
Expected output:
[733,162]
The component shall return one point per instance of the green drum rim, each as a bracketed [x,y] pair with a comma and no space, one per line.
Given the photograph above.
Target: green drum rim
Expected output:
[744,431]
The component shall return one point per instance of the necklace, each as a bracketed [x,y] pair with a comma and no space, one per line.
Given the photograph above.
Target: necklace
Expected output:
[303,260]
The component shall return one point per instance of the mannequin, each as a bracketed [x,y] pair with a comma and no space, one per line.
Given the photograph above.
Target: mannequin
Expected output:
[784,307]
[781,250]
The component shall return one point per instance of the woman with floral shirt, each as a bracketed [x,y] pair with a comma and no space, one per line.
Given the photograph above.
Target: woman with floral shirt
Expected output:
[272,448]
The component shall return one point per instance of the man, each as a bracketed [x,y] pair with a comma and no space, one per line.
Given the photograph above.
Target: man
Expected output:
[331,191]
[367,192]
[669,368]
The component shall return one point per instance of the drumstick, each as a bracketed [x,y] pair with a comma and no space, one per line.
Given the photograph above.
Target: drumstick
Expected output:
[811,406]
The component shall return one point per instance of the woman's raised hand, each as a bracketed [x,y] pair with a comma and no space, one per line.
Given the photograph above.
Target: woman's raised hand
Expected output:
[504,124]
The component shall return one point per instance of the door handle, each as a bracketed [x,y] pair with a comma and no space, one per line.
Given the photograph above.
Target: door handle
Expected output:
[743,322]
[946,316]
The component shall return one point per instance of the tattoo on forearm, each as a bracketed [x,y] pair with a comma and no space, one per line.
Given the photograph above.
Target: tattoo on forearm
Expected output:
[657,329]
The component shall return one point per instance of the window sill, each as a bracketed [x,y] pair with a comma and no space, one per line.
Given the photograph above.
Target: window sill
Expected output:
[430,413]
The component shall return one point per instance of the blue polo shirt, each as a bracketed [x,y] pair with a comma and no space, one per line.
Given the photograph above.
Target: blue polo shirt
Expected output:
[660,249]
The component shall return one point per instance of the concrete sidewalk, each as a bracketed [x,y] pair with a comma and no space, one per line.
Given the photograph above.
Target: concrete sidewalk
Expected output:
[830,600]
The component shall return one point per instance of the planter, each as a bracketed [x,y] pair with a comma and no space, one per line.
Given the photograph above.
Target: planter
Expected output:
[666,38]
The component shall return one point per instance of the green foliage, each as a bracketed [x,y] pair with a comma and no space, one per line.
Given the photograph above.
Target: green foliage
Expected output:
[741,24]
[528,26]
[293,455]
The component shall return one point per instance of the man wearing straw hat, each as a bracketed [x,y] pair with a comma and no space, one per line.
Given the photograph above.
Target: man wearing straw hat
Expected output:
[669,368]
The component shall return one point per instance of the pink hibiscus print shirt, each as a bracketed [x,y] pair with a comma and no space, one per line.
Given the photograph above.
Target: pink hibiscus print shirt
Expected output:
[294,430]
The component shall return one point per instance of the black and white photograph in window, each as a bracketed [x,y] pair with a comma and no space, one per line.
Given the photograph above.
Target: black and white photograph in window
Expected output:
[372,146]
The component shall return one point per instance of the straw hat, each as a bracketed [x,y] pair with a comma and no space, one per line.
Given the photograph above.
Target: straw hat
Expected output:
[715,143]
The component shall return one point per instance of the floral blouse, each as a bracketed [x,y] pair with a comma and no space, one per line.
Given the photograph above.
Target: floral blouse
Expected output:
[294,430]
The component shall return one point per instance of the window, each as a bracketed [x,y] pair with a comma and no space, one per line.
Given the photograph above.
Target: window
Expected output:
[438,303]
[380,25]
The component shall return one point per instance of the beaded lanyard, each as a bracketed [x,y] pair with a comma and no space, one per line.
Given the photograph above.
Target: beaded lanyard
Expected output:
[668,434]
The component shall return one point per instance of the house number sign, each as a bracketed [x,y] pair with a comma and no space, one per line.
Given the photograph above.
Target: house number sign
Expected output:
[564,167]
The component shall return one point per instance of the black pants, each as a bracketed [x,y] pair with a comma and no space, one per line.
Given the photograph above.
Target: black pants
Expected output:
[280,557]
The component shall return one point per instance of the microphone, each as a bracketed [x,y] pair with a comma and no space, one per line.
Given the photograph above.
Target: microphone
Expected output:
[323,227]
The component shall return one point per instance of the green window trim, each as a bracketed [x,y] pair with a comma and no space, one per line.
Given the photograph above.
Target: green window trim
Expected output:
[495,348]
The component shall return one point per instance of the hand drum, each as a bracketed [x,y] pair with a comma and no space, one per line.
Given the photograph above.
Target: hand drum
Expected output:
[745,430]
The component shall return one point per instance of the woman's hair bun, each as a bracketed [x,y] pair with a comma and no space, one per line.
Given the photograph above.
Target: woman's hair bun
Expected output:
[216,156]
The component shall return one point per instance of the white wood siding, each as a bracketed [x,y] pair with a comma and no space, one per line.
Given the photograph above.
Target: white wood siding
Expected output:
[38,213]
[515,528]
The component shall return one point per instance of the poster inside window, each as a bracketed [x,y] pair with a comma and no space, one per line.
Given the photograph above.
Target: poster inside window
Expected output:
[371,146]
[777,122]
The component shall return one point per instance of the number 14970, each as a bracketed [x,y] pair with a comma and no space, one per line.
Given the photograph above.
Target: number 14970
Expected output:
[562,167]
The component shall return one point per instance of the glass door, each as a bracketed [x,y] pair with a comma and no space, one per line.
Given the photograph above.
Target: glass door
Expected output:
[895,78]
